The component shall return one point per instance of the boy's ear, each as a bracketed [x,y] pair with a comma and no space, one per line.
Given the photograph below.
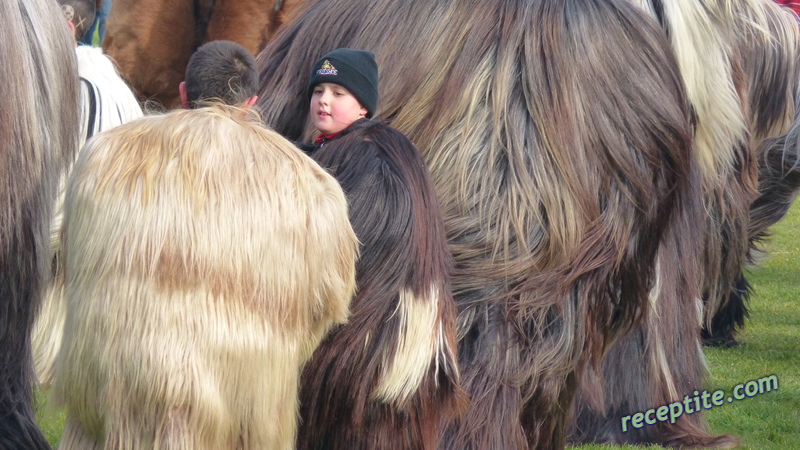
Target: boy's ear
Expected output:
[250,102]
[184,96]
[71,27]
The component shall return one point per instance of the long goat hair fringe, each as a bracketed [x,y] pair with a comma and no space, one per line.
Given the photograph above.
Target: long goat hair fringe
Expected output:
[559,145]
[38,133]
[206,258]
[738,61]
[762,41]
[389,377]
[779,183]
[768,38]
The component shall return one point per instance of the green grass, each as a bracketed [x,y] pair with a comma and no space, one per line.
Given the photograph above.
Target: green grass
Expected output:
[769,346]
[50,420]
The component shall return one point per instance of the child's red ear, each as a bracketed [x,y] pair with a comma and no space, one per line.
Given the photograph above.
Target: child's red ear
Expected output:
[71,27]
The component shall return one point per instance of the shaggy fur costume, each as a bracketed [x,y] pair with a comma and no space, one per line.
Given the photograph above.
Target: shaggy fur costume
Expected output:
[779,183]
[739,62]
[558,139]
[152,40]
[206,258]
[765,40]
[389,378]
[38,133]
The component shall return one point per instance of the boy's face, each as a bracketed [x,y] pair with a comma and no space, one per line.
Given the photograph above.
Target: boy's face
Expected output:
[334,108]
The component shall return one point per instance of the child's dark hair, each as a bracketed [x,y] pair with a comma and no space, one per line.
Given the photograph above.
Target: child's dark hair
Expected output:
[81,13]
[221,71]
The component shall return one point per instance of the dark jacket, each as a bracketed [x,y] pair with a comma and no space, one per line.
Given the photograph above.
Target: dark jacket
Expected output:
[309,148]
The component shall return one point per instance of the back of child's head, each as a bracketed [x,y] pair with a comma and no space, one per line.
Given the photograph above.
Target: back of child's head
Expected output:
[221,71]
[354,69]
[80,13]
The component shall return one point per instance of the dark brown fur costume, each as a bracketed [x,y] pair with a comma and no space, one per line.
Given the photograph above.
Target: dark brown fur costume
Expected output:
[152,40]
[736,59]
[770,63]
[557,135]
[779,182]
[778,185]
[38,133]
[388,378]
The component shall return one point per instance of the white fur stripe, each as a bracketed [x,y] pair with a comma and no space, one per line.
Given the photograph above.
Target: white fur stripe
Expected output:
[658,357]
[419,344]
[702,43]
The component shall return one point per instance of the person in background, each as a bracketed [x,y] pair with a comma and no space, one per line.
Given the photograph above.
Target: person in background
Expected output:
[108,101]
[103,8]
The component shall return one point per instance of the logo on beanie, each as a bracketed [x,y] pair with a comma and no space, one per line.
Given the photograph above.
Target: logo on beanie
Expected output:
[327,69]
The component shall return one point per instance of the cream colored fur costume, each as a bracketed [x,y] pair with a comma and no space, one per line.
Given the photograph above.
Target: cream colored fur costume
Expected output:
[206,257]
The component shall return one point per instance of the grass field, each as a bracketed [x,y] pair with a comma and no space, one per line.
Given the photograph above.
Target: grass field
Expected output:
[769,346]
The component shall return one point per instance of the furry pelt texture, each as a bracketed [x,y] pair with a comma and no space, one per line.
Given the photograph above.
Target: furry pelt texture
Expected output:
[739,63]
[737,59]
[389,377]
[770,51]
[153,40]
[38,133]
[662,360]
[779,182]
[557,135]
[106,102]
[206,257]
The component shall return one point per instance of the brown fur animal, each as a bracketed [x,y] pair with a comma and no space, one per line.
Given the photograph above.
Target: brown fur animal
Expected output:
[739,63]
[559,145]
[778,186]
[206,258]
[779,182]
[768,39]
[153,40]
[38,133]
